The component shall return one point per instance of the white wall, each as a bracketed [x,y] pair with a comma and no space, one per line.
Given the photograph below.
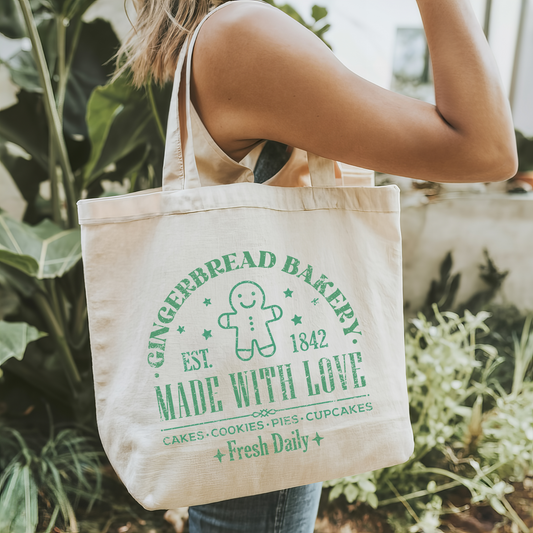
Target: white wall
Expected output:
[465,225]
[523,91]
[503,34]
[363,32]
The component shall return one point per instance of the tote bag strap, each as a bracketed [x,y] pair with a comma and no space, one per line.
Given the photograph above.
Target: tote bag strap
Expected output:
[179,168]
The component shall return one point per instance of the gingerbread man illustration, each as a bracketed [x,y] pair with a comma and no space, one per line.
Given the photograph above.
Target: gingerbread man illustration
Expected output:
[250,318]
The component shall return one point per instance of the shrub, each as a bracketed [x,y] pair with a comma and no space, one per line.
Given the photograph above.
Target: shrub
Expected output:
[468,430]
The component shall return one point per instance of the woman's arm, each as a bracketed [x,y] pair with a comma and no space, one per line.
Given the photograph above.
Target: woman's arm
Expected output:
[258,74]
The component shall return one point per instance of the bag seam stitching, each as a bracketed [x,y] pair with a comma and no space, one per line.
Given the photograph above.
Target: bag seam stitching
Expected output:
[99,222]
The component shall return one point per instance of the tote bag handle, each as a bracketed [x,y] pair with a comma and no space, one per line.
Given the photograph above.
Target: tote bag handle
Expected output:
[179,168]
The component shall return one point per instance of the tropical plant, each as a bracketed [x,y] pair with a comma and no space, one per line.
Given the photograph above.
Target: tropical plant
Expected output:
[66,134]
[70,135]
[44,140]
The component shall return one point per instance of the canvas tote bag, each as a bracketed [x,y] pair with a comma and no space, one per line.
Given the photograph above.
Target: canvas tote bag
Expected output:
[245,338]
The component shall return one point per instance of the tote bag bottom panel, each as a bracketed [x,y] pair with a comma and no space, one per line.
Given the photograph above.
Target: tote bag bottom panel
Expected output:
[274,459]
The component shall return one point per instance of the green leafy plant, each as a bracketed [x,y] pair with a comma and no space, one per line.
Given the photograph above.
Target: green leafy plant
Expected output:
[444,290]
[65,135]
[318,14]
[469,432]
[59,472]
[14,337]
[67,131]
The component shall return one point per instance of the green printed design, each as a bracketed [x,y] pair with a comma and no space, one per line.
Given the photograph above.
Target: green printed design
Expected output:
[198,277]
[250,318]
[262,413]
[318,438]
[296,320]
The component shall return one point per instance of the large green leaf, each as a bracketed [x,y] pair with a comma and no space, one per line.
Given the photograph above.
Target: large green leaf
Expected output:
[27,175]
[115,109]
[118,116]
[22,65]
[23,72]
[42,251]
[14,278]
[11,24]
[9,299]
[25,124]
[14,337]
[91,67]
[21,262]
[70,8]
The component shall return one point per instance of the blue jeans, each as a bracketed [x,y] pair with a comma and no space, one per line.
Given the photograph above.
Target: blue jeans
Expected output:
[283,511]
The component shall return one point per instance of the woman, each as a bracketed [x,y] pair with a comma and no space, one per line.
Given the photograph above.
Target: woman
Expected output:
[257,74]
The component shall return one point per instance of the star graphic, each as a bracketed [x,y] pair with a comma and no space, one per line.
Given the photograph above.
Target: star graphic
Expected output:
[288,293]
[207,301]
[207,334]
[180,329]
[219,456]
[318,438]
[297,319]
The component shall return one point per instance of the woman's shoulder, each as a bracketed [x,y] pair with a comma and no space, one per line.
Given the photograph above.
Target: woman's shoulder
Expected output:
[251,62]
[254,29]
[246,16]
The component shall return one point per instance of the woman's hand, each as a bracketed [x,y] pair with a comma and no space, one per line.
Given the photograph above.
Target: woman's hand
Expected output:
[258,74]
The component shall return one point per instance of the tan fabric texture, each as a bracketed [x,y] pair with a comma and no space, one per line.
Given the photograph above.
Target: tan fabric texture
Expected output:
[245,338]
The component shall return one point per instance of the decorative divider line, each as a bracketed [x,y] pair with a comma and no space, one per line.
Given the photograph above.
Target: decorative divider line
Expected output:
[263,413]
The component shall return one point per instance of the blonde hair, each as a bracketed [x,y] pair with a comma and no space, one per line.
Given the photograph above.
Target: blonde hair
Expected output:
[152,47]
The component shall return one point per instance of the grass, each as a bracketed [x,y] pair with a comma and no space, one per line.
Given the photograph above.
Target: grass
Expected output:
[57,475]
